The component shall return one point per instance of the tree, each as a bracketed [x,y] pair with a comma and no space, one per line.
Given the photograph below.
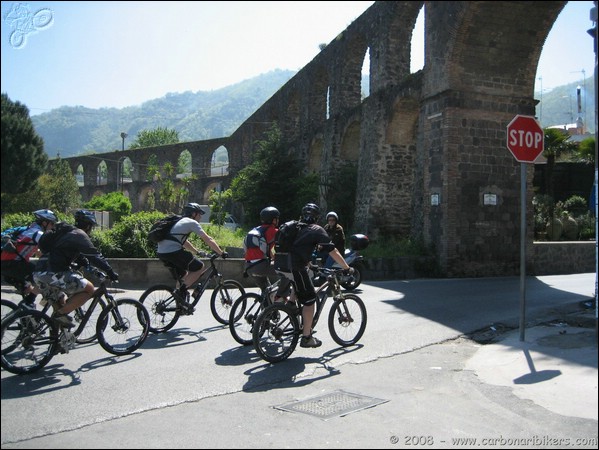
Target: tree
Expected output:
[23,156]
[59,187]
[586,151]
[155,137]
[557,144]
[274,178]
[115,202]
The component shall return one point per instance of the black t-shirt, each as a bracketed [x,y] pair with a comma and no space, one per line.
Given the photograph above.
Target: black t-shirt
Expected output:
[309,237]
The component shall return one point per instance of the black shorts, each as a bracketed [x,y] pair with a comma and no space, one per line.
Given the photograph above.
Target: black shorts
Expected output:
[183,260]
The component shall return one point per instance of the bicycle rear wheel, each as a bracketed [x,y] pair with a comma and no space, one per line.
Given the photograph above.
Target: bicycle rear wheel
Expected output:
[276,332]
[29,340]
[161,304]
[7,308]
[222,299]
[123,328]
[88,333]
[347,320]
[246,308]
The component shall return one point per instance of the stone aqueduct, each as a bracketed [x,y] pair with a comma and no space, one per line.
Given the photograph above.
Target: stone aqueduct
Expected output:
[428,145]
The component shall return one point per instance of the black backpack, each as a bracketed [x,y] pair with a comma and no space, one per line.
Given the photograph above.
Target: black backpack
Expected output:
[161,229]
[51,237]
[286,235]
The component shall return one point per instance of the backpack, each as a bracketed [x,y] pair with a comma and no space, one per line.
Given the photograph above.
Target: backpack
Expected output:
[10,238]
[256,238]
[286,235]
[51,237]
[162,228]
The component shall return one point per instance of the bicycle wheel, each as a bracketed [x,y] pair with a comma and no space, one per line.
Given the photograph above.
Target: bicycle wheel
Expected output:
[29,340]
[246,308]
[162,307]
[347,320]
[88,333]
[7,307]
[123,328]
[223,297]
[276,332]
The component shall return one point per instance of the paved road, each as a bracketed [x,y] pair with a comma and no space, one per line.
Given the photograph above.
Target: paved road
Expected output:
[194,387]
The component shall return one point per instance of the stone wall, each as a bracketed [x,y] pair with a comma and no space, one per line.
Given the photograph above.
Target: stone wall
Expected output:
[550,258]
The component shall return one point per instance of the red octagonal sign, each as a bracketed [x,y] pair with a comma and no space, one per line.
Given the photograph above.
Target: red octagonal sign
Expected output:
[525,138]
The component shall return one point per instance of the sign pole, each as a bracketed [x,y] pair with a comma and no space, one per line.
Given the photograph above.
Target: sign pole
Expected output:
[522,249]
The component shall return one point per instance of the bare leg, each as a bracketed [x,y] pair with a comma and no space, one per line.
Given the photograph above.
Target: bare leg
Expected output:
[78,299]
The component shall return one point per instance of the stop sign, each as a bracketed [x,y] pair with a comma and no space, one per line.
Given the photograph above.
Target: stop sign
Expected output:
[525,138]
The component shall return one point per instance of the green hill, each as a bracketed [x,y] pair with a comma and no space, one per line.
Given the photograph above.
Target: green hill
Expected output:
[77,130]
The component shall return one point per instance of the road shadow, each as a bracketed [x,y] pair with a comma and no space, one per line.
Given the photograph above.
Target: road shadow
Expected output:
[54,377]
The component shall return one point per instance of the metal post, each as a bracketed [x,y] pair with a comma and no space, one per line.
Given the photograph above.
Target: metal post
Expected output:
[522,249]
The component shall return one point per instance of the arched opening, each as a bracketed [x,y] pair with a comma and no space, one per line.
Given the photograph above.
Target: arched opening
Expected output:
[219,164]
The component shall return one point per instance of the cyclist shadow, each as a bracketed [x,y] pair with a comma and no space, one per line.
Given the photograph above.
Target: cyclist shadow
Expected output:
[237,356]
[172,338]
[54,377]
[285,374]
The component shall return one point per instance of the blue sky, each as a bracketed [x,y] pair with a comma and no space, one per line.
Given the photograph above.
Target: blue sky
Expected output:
[117,54]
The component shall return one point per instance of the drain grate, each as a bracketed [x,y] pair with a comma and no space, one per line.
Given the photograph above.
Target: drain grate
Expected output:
[334,404]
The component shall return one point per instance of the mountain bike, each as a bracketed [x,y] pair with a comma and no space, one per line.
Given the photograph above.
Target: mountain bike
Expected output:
[88,333]
[166,304]
[31,338]
[277,329]
[247,308]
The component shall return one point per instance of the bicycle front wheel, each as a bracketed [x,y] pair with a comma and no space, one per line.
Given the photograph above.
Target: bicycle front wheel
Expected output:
[246,309]
[29,340]
[161,304]
[88,332]
[347,320]
[276,332]
[123,327]
[223,297]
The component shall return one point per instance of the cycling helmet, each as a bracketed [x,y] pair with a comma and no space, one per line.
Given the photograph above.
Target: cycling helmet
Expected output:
[42,215]
[84,218]
[191,208]
[334,215]
[310,213]
[268,214]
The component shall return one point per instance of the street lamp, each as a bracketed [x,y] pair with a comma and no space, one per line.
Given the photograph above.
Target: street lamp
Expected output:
[123,136]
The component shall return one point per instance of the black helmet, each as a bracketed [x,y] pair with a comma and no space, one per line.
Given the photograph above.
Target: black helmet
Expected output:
[83,218]
[268,214]
[191,208]
[42,215]
[334,215]
[310,213]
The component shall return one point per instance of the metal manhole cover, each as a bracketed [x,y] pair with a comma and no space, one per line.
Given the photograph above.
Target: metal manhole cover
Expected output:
[335,404]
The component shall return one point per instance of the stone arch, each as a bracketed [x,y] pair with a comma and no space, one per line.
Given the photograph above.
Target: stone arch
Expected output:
[350,143]
[79,175]
[219,162]
[102,173]
[184,164]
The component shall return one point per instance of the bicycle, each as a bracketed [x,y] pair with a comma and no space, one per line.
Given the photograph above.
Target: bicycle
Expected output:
[31,338]
[246,309]
[87,335]
[277,329]
[166,304]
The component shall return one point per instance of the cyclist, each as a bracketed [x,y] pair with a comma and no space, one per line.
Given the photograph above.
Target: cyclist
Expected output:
[55,267]
[337,235]
[16,266]
[177,250]
[307,239]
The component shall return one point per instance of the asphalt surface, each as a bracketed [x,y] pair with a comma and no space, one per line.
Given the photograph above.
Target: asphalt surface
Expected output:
[443,364]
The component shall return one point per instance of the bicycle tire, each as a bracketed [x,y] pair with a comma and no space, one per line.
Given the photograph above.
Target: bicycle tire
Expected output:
[29,341]
[162,307]
[347,320]
[246,309]
[88,333]
[123,327]
[7,307]
[222,299]
[276,332]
